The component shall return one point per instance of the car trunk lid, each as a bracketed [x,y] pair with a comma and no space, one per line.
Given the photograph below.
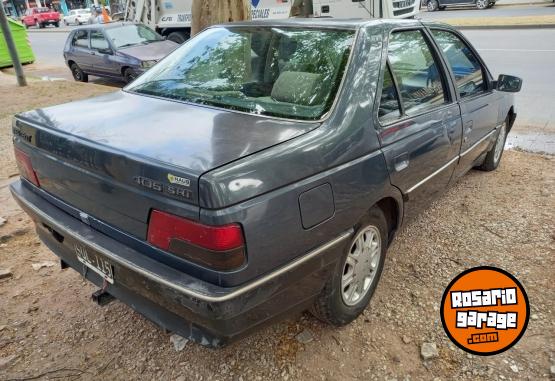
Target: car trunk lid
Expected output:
[118,156]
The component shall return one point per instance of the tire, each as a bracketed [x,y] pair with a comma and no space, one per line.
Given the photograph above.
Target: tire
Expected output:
[432,5]
[334,305]
[78,22]
[129,75]
[178,37]
[482,4]
[66,23]
[41,26]
[78,74]
[57,24]
[493,157]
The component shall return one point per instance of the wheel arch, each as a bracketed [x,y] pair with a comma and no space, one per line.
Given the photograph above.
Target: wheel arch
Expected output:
[392,208]
[511,116]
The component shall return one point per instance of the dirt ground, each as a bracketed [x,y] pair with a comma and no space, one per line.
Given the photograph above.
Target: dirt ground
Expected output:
[49,328]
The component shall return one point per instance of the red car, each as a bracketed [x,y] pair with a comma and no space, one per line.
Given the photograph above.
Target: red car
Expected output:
[41,17]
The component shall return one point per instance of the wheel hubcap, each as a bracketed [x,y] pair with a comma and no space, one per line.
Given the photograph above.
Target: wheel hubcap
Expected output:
[361,265]
[500,143]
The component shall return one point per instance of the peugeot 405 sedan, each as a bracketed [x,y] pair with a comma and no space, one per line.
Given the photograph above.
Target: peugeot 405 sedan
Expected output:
[261,168]
[120,50]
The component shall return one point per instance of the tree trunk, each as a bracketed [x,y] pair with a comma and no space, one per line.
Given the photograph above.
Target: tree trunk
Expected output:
[210,12]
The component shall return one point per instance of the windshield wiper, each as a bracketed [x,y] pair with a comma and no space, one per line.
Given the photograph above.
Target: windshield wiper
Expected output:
[127,45]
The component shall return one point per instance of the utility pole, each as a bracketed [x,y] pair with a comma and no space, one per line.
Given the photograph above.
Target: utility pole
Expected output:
[11,47]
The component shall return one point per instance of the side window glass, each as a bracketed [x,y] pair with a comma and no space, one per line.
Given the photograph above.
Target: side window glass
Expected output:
[80,39]
[98,41]
[469,74]
[389,102]
[416,70]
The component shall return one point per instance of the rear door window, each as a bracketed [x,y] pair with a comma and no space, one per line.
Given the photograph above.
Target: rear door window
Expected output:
[390,107]
[81,39]
[469,73]
[417,72]
[98,41]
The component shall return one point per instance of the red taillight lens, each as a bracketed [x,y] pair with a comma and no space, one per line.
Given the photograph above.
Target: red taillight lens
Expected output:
[220,247]
[25,166]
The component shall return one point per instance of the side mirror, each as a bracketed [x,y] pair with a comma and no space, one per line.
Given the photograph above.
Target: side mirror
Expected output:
[105,51]
[508,83]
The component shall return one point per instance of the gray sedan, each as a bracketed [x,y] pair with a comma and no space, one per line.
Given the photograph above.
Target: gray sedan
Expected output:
[115,50]
[260,169]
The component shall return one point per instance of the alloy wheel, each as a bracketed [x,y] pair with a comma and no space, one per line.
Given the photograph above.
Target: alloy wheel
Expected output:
[360,268]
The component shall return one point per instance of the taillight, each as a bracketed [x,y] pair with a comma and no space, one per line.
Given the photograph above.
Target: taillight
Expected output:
[218,247]
[25,166]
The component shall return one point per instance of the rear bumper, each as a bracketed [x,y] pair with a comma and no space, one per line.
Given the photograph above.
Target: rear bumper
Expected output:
[203,312]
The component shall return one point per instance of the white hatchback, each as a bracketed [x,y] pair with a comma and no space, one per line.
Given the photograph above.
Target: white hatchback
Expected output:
[77,16]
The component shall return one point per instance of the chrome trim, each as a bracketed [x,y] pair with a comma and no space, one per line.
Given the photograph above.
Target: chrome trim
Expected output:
[450,162]
[187,291]
[478,142]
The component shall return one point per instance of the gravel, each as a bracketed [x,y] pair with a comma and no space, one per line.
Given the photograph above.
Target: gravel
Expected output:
[428,351]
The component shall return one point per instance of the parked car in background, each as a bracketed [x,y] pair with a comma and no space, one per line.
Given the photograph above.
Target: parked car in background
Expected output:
[117,50]
[434,5]
[41,17]
[260,169]
[77,17]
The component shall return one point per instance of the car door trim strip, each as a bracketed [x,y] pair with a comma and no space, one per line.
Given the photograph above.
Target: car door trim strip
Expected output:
[450,162]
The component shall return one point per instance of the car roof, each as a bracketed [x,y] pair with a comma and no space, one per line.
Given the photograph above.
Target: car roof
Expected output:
[109,25]
[335,23]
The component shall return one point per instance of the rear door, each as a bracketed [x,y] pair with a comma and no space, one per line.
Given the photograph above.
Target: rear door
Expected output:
[478,102]
[420,121]
[80,51]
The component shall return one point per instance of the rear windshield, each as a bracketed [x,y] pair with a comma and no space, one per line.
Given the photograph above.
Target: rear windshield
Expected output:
[43,10]
[285,72]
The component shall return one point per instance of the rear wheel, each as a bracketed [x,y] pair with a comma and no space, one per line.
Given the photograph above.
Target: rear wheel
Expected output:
[41,25]
[493,157]
[351,286]
[178,37]
[78,74]
[57,24]
[432,5]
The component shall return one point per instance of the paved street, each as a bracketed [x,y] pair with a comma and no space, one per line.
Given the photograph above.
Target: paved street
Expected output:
[497,11]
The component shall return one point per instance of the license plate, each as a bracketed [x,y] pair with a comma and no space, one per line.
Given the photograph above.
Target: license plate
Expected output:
[95,262]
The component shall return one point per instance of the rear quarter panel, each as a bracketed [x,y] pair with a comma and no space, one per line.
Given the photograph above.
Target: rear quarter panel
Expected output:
[262,191]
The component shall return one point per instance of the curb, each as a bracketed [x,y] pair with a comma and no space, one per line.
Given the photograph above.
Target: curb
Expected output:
[535,26]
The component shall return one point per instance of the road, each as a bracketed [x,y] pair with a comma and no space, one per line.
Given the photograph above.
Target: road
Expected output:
[528,53]
[498,11]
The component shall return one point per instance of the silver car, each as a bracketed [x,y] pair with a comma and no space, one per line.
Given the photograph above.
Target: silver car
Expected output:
[115,50]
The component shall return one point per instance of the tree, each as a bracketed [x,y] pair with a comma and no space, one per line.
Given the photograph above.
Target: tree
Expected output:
[210,12]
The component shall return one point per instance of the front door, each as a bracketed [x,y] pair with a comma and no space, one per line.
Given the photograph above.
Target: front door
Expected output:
[102,55]
[421,123]
[478,102]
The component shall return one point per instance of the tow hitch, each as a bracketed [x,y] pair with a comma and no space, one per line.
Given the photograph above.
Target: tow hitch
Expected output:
[102,297]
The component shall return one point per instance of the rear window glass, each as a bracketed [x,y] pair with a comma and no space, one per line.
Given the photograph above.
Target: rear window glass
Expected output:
[286,72]
[81,39]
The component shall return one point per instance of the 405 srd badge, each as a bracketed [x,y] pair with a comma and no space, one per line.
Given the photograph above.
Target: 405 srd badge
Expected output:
[158,186]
